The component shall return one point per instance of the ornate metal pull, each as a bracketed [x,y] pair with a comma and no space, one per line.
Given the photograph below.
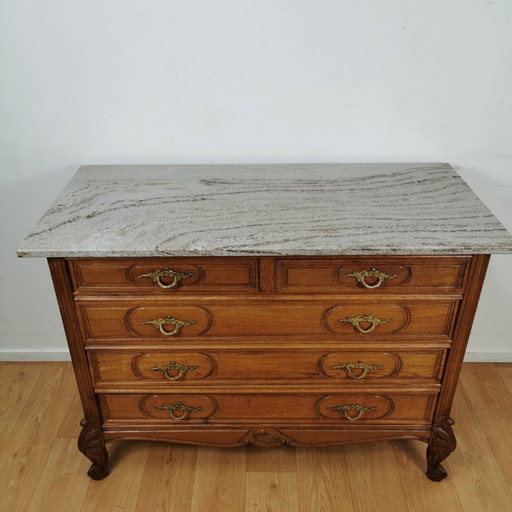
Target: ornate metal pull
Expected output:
[156,275]
[366,318]
[180,368]
[344,410]
[348,367]
[160,322]
[186,410]
[363,274]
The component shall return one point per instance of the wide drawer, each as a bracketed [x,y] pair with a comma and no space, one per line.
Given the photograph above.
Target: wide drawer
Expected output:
[173,368]
[166,276]
[372,275]
[216,408]
[365,319]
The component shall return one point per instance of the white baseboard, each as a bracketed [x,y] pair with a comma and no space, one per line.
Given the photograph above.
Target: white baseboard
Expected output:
[488,357]
[35,355]
[63,355]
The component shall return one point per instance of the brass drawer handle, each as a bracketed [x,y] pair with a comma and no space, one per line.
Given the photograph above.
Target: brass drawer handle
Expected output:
[156,275]
[363,274]
[344,410]
[169,320]
[366,318]
[180,368]
[185,409]
[348,367]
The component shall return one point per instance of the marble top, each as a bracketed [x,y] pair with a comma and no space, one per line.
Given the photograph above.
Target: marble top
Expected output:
[247,210]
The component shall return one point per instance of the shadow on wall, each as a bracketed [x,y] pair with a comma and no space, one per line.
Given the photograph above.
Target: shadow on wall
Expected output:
[490,337]
[493,190]
[29,316]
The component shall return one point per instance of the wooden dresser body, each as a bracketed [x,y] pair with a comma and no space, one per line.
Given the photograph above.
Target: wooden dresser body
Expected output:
[223,305]
[305,351]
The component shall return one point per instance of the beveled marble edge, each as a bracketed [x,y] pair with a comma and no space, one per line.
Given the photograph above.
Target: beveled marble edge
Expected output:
[392,251]
[82,222]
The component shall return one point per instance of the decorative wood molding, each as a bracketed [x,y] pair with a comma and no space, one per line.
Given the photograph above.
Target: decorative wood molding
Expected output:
[266,437]
[92,445]
[441,444]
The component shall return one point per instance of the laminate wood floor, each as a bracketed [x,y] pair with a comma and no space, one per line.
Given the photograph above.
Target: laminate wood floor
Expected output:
[42,470]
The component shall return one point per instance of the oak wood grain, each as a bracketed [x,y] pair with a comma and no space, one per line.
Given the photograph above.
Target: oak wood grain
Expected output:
[505,371]
[379,488]
[167,480]
[271,460]
[210,318]
[58,482]
[386,408]
[400,275]
[477,454]
[323,479]
[484,385]
[121,490]
[198,275]
[138,368]
[29,444]
[271,491]
[17,381]
[276,394]
[420,493]
[219,481]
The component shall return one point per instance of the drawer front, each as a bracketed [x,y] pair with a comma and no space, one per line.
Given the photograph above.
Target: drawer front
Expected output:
[171,320]
[372,275]
[216,408]
[165,275]
[174,368]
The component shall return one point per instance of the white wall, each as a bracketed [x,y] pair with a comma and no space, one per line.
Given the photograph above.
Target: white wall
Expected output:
[204,81]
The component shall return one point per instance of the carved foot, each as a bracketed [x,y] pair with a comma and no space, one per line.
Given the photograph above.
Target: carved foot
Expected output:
[92,445]
[442,443]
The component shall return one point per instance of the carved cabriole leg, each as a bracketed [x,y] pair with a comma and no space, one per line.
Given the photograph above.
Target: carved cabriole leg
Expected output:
[91,442]
[442,443]
[92,445]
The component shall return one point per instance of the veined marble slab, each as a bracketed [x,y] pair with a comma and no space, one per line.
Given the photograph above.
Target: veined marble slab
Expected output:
[237,210]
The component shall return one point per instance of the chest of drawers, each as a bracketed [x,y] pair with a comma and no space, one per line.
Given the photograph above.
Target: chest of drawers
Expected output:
[328,340]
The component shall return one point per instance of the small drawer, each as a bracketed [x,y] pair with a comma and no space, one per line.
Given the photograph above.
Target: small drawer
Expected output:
[165,275]
[372,275]
[228,408]
[172,368]
[357,320]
